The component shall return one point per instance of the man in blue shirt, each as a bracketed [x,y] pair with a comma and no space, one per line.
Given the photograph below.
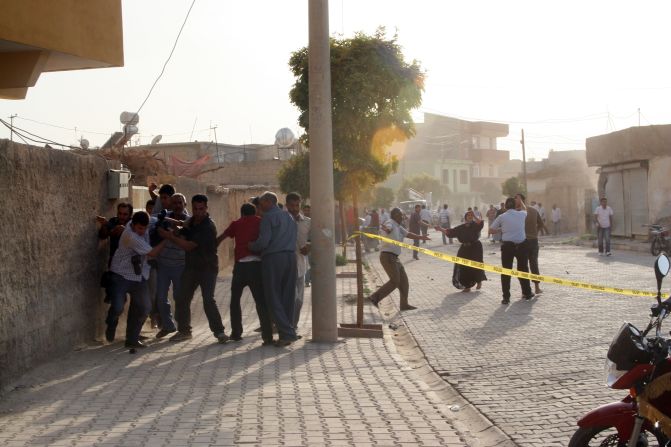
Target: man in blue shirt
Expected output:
[511,225]
[277,246]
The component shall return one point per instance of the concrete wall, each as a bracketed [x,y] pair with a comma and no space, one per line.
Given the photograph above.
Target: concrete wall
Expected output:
[263,172]
[50,297]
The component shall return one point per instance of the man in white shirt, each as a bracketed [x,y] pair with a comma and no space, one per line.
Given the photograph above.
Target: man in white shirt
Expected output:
[130,275]
[384,216]
[445,221]
[541,213]
[511,225]
[389,253]
[425,215]
[556,220]
[293,204]
[603,216]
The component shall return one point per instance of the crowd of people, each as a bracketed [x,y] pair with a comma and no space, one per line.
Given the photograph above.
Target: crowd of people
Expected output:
[167,247]
[514,225]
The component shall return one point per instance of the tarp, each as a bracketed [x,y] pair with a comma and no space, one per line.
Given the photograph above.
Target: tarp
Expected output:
[191,169]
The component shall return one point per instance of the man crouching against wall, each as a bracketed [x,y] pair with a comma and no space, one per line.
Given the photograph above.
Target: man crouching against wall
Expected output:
[277,245]
[130,273]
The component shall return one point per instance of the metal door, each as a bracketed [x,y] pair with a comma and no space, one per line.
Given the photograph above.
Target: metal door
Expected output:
[636,198]
[615,196]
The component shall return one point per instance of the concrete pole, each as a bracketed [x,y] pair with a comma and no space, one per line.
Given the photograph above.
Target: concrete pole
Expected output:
[324,310]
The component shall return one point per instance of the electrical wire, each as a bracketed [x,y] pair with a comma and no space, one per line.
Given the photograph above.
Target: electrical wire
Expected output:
[75,129]
[167,60]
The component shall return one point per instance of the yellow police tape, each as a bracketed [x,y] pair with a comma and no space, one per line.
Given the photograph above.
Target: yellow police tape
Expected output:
[509,272]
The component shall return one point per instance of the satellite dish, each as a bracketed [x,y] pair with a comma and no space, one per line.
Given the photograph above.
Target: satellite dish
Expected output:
[129,118]
[84,143]
[284,137]
[156,139]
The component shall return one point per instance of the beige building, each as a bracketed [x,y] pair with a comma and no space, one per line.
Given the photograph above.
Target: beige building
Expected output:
[564,179]
[634,166]
[462,155]
[38,36]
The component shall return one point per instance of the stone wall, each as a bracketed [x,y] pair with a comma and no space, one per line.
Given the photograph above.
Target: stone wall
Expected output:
[50,297]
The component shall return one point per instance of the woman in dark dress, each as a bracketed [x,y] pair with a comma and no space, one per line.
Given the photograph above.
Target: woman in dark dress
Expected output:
[468,233]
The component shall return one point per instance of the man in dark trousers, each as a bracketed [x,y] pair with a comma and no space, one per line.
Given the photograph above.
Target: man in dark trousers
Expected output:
[277,245]
[247,272]
[389,253]
[533,226]
[511,225]
[201,270]
[415,227]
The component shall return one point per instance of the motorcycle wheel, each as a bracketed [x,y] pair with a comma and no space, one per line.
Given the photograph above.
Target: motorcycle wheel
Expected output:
[608,437]
[656,247]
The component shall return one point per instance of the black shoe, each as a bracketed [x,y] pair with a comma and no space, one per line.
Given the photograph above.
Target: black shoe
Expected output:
[282,343]
[163,332]
[268,342]
[134,344]
[236,337]
[221,337]
[258,329]
[528,297]
[109,333]
[505,301]
[181,336]
[408,307]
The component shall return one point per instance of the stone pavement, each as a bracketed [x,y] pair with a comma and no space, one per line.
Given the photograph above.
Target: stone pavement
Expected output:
[533,368]
[199,393]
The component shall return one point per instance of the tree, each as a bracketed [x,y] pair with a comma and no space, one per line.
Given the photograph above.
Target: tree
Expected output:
[512,186]
[383,197]
[373,93]
[423,183]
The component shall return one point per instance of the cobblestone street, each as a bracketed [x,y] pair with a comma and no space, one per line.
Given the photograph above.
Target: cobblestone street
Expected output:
[533,368]
[200,393]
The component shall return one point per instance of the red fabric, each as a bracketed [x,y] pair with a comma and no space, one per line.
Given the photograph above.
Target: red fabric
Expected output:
[244,230]
[188,168]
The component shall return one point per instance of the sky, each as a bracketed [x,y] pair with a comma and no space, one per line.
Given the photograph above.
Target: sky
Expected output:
[562,71]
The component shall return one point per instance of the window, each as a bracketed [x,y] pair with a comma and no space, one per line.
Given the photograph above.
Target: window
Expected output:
[463,177]
[476,170]
[476,142]
[446,177]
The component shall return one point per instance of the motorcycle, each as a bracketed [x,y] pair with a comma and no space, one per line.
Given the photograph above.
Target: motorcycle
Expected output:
[661,240]
[641,364]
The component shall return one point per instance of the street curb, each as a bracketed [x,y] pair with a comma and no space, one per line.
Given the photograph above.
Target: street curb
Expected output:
[474,428]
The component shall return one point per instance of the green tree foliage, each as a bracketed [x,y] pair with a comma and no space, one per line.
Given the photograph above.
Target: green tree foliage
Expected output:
[423,183]
[383,197]
[512,186]
[373,93]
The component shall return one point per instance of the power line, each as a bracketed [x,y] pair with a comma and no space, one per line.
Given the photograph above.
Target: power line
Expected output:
[61,127]
[168,59]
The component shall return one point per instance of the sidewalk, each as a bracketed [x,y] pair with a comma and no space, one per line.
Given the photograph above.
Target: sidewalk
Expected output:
[199,393]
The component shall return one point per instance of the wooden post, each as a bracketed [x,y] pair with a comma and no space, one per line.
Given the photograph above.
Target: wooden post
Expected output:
[359,266]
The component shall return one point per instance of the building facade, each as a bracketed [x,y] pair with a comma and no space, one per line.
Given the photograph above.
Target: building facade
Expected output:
[633,167]
[38,36]
[462,155]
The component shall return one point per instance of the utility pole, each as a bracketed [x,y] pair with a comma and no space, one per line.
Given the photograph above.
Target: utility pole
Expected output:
[524,164]
[11,127]
[324,308]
